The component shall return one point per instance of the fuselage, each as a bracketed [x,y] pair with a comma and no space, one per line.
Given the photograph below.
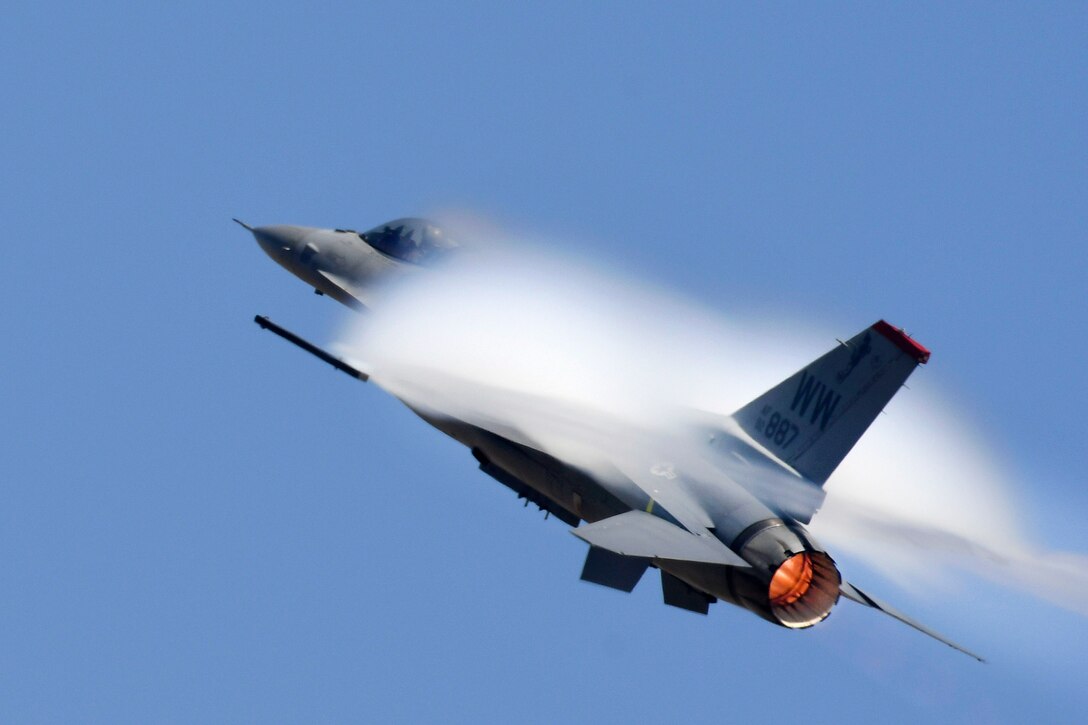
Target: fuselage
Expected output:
[353,268]
[767,539]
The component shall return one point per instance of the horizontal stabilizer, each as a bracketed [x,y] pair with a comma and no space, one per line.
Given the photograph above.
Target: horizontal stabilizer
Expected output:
[678,593]
[613,570]
[637,533]
[853,593]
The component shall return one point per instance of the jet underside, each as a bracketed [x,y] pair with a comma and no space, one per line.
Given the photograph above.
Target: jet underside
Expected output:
[572,496]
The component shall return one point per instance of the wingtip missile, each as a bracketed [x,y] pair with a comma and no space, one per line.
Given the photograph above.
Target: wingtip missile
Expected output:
[267,324]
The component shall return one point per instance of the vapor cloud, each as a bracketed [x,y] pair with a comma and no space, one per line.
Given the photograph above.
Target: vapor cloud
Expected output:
[553,351]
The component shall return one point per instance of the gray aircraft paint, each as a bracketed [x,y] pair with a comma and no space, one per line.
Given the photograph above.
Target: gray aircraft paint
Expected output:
[335,262]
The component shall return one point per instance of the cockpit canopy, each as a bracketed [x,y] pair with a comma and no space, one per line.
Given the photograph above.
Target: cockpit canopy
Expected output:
[412,240]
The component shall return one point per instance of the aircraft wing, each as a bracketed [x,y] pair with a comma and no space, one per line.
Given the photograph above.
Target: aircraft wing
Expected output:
[663,484]
[854,594]
[639,534]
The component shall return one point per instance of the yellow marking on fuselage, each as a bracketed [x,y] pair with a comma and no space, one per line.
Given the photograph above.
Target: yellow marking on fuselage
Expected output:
[650,507]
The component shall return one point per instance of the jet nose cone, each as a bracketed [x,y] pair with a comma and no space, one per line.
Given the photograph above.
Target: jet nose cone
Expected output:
[279,240]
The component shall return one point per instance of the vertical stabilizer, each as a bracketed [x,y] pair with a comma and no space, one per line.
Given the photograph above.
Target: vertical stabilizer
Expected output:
[813,419]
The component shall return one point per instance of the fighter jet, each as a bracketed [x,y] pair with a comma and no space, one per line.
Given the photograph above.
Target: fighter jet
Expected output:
[731,531]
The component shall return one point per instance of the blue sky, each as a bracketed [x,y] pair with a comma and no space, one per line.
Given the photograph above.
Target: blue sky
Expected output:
[199,524]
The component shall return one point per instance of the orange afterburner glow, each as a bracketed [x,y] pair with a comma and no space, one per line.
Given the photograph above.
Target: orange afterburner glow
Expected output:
[791,581]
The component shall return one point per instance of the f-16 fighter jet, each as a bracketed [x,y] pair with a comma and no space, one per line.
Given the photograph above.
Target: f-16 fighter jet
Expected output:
[731,531]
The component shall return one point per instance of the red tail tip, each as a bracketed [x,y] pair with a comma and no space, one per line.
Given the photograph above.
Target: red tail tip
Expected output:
[903,341]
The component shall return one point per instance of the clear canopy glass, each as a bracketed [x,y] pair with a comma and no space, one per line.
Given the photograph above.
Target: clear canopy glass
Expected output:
[416,241]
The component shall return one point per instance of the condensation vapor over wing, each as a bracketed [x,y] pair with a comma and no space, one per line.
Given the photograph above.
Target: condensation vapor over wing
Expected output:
[552,350]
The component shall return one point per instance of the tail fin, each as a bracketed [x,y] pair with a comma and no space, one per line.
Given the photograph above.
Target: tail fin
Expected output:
[813,419]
